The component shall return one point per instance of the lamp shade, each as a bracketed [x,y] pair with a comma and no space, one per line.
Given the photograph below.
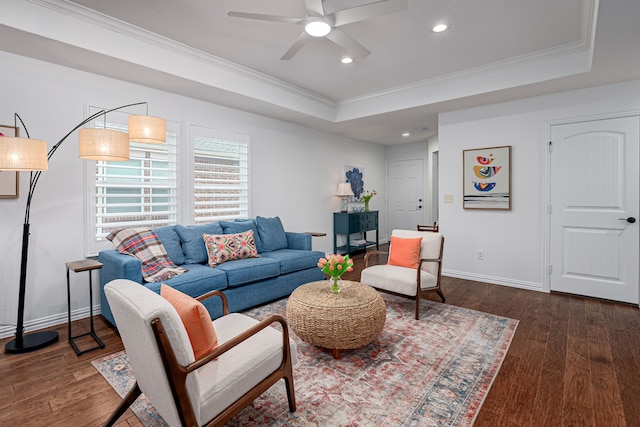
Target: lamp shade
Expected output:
[23,154]
[103,144]
[152,130]
[344,189]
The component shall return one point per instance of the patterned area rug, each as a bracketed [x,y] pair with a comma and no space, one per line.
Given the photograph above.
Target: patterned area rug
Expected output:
[433,372]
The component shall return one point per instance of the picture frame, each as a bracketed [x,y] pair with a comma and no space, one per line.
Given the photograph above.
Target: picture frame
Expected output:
[486,178]
[9,181]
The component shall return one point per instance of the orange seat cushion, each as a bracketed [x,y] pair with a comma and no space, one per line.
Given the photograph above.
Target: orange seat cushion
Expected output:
[405,252]
[195,318]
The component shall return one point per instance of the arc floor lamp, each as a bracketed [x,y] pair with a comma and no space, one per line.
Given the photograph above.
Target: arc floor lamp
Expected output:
[30,155]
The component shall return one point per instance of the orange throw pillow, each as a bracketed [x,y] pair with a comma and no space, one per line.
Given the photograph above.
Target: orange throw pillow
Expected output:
[195,318]
[405,252]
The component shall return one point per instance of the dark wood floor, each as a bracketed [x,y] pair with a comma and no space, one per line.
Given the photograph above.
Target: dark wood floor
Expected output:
[573,362]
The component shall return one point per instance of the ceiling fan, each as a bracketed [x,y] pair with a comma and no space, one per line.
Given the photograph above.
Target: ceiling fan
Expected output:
[317,23]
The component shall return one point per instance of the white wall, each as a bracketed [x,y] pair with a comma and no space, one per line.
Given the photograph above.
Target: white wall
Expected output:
[294,174]
[513,241]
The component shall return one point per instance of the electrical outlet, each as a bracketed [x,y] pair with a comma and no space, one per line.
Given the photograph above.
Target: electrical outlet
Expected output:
[480,255]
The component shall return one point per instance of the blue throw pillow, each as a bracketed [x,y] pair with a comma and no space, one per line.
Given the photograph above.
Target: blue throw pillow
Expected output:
[235,227]
[193,246]
[171,242]
[271,233]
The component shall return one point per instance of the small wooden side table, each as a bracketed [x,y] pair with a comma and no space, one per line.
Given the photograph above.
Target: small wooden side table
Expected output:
[78,266]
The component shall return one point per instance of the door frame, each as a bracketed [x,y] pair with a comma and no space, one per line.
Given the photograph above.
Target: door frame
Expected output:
[546,247]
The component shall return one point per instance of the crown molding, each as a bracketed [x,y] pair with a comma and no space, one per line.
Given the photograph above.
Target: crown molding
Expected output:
[125,29]
[125,42]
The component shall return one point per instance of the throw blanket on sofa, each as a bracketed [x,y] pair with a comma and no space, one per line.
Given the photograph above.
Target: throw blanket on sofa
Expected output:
[145,245]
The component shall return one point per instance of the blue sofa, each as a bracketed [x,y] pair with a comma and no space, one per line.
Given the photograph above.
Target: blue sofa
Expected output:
[286,261]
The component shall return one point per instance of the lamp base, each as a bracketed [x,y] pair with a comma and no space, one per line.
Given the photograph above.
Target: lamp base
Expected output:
[344,205]
[32,342]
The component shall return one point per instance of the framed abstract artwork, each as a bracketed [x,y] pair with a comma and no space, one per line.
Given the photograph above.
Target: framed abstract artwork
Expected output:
[487,178]
[9,181]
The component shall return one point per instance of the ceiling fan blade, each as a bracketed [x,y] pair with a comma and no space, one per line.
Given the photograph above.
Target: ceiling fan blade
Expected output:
[314,7]
[296,46]
[263,17]
[343,40]
[367,11]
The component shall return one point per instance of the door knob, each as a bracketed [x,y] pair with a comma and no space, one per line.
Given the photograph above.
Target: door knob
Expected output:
[630,220]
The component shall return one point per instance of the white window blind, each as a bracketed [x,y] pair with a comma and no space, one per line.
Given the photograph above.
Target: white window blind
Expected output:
[220,177]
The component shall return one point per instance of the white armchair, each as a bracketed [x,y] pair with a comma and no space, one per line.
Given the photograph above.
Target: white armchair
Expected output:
[251,357]
[409,282]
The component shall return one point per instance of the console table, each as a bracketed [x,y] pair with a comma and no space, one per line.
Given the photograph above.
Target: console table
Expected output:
[348,223]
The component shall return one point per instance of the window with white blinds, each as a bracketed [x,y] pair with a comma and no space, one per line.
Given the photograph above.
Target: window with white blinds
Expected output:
[140,192]
[220,176]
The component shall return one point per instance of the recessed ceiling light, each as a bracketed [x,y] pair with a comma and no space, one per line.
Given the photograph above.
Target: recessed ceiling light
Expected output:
[406,134]
[347,60]
[317,27]
[440,28]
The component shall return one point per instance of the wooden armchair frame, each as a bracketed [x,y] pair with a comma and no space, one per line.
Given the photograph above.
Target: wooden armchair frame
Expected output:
[419,291]
[177,374]
[433,227]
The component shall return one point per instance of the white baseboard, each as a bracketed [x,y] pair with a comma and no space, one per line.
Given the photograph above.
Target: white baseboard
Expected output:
[532,286]
[49,321]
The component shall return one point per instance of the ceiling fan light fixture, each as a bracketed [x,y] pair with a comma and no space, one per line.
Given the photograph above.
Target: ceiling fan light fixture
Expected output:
[440,28]
[317,27]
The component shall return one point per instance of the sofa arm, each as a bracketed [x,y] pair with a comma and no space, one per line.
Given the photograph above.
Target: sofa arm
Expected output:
[301,241]
[116,266]
[119,266]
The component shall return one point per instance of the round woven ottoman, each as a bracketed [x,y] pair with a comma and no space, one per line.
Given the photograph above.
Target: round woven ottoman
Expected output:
[350,319]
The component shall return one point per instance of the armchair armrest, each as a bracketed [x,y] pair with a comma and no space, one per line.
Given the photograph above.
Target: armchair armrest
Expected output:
[216,293]
[430,260]
[369,253]
[233,342]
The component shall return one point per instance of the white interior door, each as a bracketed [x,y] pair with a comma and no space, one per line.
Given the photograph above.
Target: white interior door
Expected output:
[594,190]
[406,199]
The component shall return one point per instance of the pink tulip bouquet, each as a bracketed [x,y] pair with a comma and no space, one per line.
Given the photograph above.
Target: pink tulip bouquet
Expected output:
[335,265]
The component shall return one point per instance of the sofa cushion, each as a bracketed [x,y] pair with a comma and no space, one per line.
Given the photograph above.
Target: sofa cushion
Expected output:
[239,226]
[227,247]
[171,242]
[249,270]
[192,243]
[200,280]
[294,260]
[272,233]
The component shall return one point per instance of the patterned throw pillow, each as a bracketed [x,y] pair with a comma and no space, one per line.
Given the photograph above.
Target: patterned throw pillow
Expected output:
[227,247]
